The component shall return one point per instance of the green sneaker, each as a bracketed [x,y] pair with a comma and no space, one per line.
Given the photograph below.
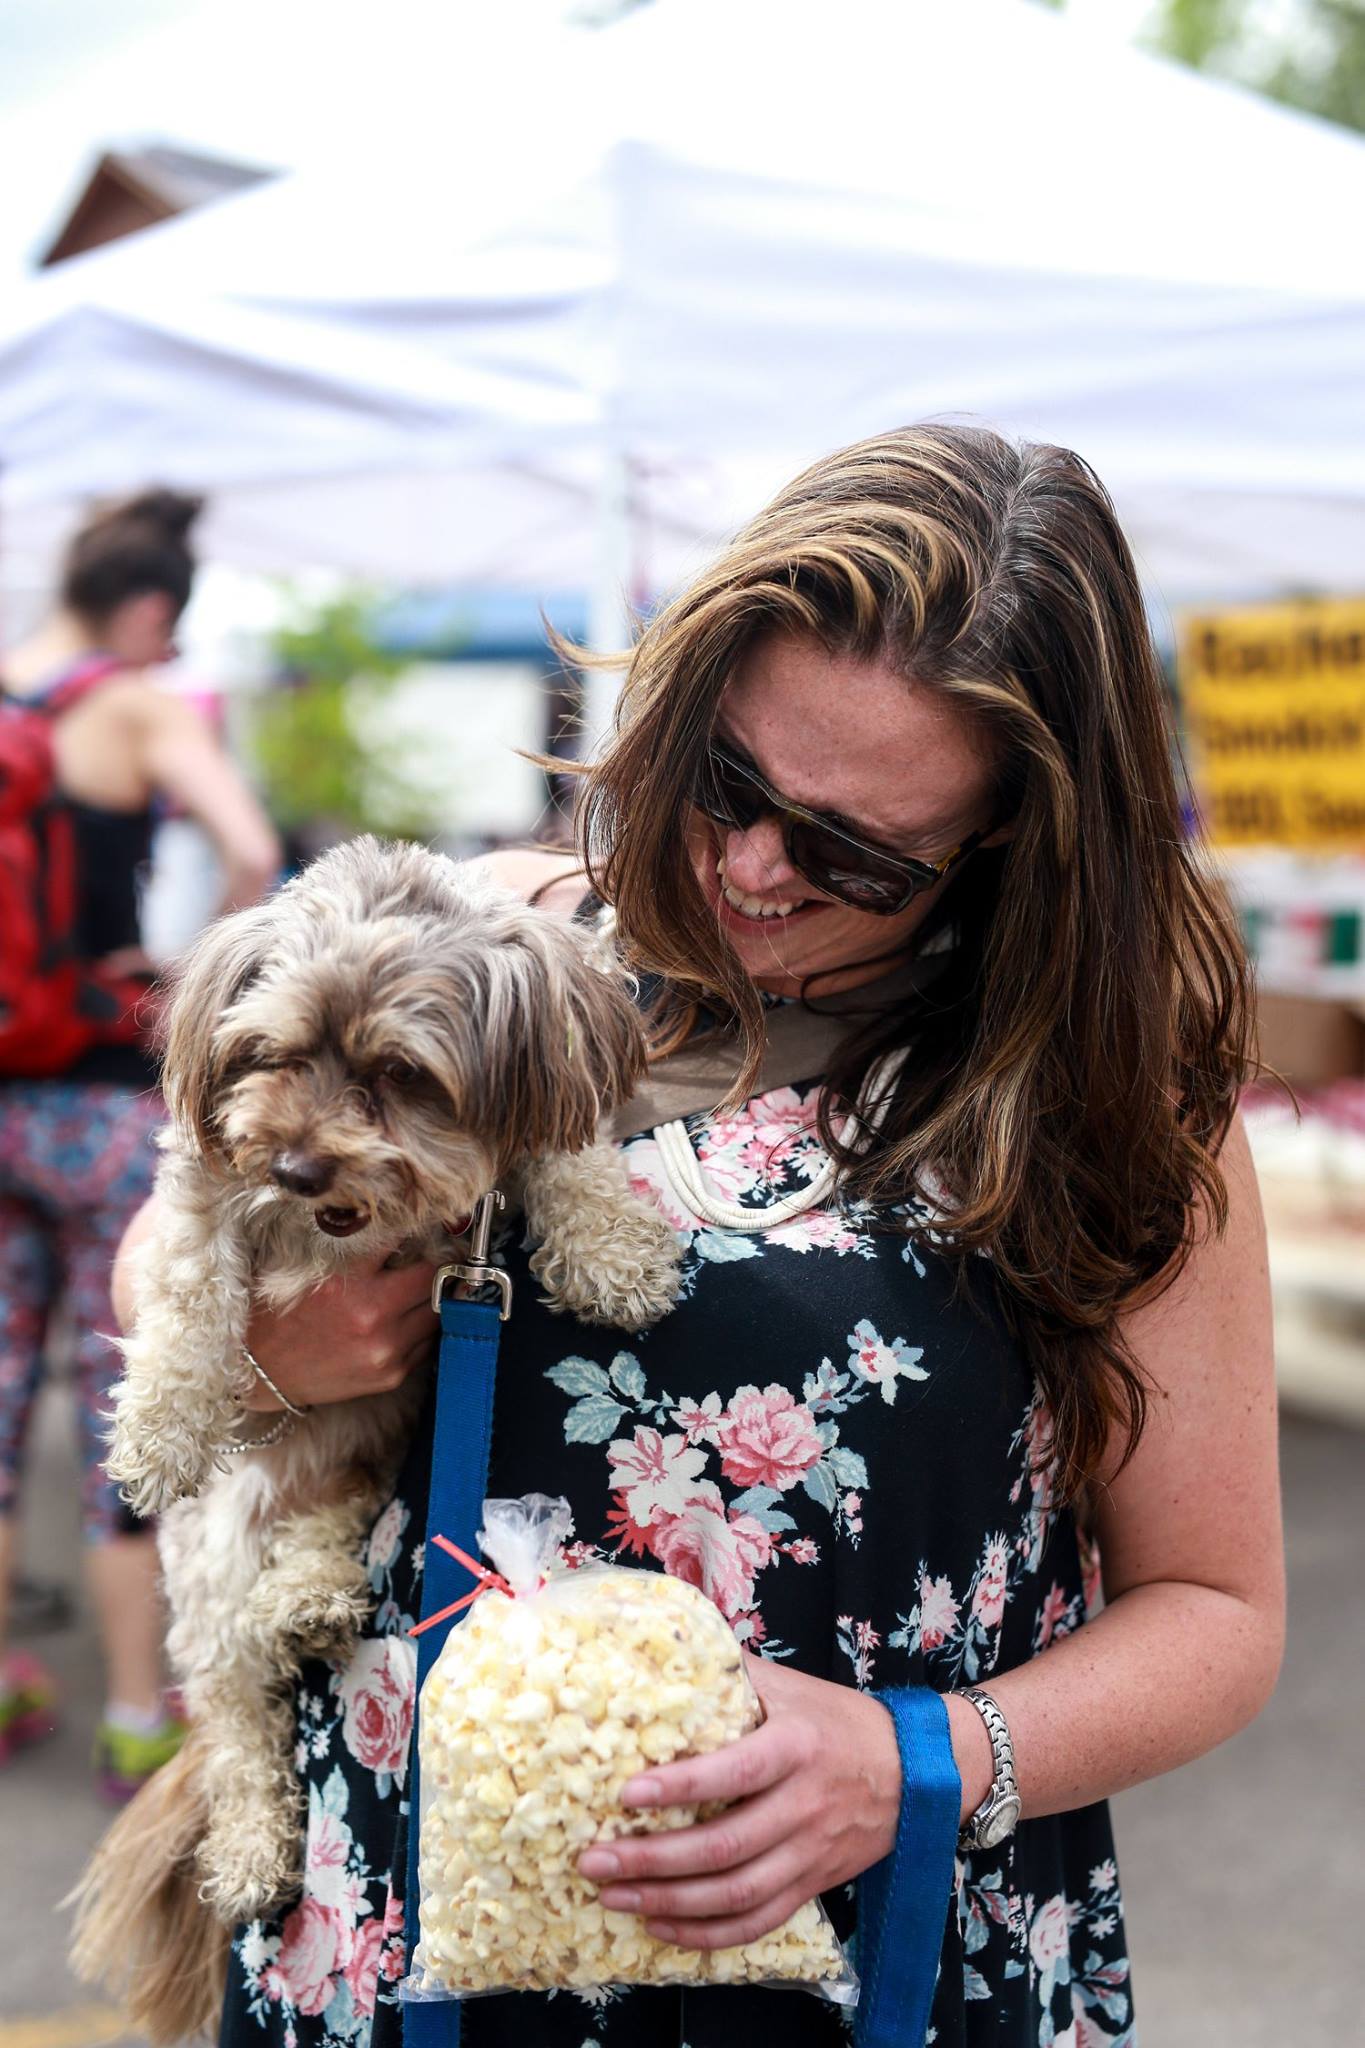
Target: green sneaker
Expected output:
[124,1760]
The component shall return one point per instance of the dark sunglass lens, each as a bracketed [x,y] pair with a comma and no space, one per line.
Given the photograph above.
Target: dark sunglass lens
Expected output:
[852,873]
[726,794]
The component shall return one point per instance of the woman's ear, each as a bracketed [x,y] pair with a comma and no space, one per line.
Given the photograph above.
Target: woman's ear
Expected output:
[219,967]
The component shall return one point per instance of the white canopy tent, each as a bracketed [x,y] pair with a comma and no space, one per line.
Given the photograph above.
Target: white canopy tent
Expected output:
[665,265]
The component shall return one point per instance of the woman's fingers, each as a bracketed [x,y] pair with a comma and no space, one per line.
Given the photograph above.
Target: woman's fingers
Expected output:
[732,1931]
[738,1771]
[732,1838]
[727,1895]
[358,1333]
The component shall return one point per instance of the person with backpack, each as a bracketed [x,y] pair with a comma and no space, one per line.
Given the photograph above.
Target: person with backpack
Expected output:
[88,747]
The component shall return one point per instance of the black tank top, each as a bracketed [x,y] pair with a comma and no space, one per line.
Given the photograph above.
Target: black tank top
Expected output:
[112,852]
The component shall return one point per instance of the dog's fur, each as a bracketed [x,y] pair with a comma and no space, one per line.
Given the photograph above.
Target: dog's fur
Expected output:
[404,1031]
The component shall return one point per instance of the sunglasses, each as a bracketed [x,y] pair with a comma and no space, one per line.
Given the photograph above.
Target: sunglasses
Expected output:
[731,792]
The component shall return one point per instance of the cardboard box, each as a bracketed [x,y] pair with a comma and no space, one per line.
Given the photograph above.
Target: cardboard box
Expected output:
[1309,1040]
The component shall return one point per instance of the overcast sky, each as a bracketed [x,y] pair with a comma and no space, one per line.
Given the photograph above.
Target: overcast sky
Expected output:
[275,81]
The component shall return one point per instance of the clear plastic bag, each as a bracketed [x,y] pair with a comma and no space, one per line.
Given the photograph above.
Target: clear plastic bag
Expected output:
[542,1703]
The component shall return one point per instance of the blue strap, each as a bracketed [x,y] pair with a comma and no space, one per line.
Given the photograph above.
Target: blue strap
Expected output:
[461,1439]
[903,1900]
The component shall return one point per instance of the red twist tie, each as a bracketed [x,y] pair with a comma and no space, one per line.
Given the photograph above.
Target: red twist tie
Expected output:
[488,1581]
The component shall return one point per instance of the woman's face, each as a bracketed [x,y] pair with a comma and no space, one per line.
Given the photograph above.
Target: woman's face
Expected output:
[899,762]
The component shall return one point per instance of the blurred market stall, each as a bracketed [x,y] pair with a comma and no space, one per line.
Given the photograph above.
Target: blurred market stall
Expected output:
[582,332]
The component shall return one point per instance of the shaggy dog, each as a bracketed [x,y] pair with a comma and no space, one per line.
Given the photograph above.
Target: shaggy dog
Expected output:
[349,1068]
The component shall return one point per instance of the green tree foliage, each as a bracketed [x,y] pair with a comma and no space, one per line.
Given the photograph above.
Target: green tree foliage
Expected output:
[324,774]
[1311,57]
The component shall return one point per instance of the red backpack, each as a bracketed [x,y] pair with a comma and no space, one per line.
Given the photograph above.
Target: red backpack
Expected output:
[54,1005]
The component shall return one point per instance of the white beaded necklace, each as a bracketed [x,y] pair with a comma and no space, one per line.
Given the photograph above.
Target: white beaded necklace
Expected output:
[683,1171]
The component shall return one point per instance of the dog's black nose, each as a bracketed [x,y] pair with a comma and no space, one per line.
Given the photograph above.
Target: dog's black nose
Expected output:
[302,1173]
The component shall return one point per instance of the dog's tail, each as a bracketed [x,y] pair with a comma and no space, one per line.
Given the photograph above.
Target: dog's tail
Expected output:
[142,1932]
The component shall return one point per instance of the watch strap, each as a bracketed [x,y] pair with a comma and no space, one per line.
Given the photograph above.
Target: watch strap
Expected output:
[1004,1784]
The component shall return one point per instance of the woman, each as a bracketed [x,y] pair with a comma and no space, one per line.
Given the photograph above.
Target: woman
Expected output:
[902,747]
[76,1157]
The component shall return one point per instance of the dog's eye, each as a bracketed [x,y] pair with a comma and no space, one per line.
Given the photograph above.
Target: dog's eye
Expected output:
[401,1072]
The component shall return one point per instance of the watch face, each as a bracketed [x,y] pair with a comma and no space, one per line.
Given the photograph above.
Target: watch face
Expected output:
[998,1825]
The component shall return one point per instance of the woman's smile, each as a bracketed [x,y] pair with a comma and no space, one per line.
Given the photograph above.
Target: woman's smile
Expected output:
[849,737]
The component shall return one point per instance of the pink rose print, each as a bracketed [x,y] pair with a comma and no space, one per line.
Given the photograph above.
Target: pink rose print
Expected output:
[720,1554]
[377,1689]
[362,1970]
[385,1538]
[648,1180]
[937,1612]
[315,1943]
[326,1854]
[803,1550]
[655,1473]
[1054,1610]
[816,1230]
[767,1439]
[699,1421]
[1085,2030]
[394,1945]
[1050,1934]
[988,1601]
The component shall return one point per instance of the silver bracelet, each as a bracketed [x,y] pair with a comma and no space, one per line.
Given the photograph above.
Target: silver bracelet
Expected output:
[264,1377]
[285,1426]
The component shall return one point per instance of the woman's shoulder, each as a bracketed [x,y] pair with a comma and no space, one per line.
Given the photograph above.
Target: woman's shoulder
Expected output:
[550,877]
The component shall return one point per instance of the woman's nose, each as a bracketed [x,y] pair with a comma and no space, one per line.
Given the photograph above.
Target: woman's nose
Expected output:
[756,861]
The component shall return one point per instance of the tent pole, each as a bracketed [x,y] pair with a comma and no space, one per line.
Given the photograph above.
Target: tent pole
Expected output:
[609,614]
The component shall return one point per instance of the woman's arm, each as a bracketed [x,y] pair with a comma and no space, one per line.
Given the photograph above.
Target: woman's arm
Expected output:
[182,759]
[1185,1652]
[1188,1647]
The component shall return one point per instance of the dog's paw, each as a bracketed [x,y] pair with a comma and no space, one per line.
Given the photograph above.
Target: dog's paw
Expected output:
[147,1478]
[627,1277]
[312,1617]
[250,1868]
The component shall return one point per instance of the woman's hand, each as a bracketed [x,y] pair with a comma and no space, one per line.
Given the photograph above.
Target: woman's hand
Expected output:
[817,1791]
[361,1332]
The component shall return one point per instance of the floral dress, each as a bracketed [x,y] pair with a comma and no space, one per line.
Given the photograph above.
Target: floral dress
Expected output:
[851,1460]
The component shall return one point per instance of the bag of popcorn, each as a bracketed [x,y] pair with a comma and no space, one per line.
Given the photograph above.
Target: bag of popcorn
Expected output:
[543,1702]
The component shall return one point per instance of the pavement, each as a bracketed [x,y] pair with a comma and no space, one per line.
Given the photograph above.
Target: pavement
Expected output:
[1244,1873]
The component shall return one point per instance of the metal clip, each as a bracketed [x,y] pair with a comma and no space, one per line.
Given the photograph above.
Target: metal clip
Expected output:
[476,1271]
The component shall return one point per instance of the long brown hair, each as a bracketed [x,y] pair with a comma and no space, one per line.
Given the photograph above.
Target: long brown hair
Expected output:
[1076,1067]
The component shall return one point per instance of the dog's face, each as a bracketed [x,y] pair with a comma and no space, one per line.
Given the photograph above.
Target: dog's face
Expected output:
[387,1037]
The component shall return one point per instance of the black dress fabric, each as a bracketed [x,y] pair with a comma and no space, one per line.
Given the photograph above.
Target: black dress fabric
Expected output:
[851,1460]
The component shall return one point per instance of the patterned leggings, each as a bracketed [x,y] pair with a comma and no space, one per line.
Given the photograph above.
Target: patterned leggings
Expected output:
[76,1162]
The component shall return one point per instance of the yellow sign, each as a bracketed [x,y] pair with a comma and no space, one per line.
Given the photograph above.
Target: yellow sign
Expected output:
[1274,704]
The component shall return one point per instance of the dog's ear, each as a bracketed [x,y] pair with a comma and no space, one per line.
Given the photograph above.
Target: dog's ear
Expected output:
[564,1044]
[218,968]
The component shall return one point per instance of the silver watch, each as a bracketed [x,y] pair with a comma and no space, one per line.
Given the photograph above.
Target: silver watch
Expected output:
[998,1814]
